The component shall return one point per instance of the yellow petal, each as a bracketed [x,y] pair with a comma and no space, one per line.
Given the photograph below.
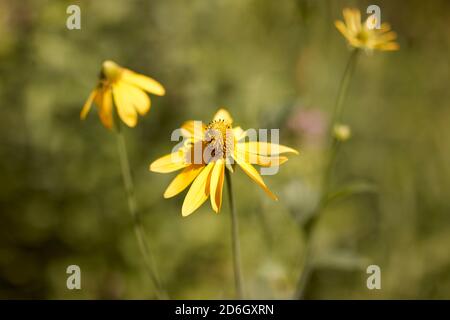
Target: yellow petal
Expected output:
[341,27]
[182,180]
[352,19]
[193,129]
[239,133]
[261,160]
[264,148]
[138,97]
[386,37]
[169,163]
[223,114]
[254,175]
[146,83]
[216,184]
[357,19]
[87,105]
[111,70]
[385,27]
[124,105]
[105,109]
[390,46]
[348,18]
[198,192]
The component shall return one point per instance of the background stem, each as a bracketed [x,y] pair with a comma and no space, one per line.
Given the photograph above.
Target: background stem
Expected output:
[309,227]
[235,240]
[137,223]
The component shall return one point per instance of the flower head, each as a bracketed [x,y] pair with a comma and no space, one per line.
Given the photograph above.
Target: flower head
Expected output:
[208,151]
[128,91]
[365,35]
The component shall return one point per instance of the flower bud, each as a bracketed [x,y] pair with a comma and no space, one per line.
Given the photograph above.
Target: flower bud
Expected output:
[342,132]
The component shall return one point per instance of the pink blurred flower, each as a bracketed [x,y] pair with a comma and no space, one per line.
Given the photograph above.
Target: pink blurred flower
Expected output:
[308,124]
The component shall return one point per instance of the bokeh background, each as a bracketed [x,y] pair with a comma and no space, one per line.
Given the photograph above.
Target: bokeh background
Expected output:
[274,64]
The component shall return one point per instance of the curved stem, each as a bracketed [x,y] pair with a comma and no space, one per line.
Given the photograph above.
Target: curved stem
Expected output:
[235,240]
[309,227]
[137,223]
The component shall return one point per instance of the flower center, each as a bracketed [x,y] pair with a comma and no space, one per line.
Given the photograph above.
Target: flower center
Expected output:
[111,70]
[362,36]
[219,139]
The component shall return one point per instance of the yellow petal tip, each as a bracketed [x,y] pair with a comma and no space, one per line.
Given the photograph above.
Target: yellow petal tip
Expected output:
[185,213]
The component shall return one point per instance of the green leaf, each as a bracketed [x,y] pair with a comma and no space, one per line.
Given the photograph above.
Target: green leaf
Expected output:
[352,189]
[342,259]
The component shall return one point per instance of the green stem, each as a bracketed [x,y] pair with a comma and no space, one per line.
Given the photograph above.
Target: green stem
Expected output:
[137,223]
[235,240]
[343,87]
[309,227]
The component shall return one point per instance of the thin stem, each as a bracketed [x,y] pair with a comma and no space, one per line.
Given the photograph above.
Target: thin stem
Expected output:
[343,87]
[235,240]
[137,223]
[309,227]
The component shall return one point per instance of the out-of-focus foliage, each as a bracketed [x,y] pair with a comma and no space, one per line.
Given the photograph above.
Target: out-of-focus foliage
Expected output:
[274,64]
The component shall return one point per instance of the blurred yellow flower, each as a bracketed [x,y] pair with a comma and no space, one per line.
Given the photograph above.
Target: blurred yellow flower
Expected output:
[219,145]
[365,35]
[127,88]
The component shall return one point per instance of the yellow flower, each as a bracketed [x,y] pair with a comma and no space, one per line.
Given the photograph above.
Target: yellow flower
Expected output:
[359,35]
[127,89]
[208,151]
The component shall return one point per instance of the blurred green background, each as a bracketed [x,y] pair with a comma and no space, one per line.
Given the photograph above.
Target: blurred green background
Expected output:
[274,64]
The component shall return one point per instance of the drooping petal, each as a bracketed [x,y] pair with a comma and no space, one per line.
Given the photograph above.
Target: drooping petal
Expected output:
[254,175]
[198,192]
[216,184]
[87,104]
[223,114]
[264,161]
[138,97]
[263,148]
[105,109]
[182,180]
[169,163]
[124,105]
[146,83]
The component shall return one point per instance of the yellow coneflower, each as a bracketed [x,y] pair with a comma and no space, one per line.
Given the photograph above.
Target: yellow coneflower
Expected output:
[360,35]
[127,89]
[219,144]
